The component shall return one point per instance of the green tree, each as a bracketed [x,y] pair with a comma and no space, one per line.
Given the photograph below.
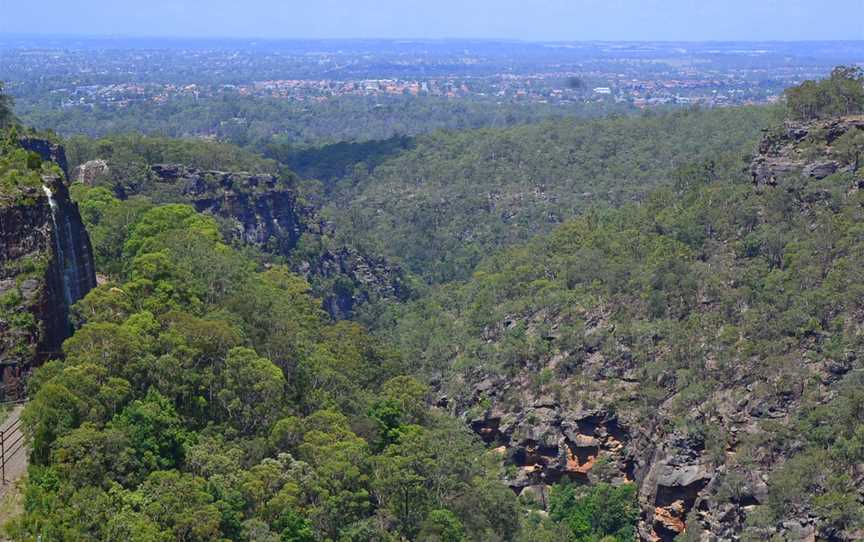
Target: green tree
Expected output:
[180,504]
[849,148]
[441,526]
[253,391]
[7,117]
[842,93]
[154,430]
[294,528]
[53,412]
[150,231]
[602,511]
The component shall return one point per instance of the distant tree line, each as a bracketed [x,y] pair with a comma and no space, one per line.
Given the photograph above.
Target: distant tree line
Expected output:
[254,122]
[842,93]
[6,116]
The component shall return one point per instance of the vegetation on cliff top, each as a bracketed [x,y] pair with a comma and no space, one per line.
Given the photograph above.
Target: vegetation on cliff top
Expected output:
[840,94]
[21,171]
[130,156]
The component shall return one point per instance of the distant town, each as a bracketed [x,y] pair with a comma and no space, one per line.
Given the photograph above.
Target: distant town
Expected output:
[116,75]
[550,88]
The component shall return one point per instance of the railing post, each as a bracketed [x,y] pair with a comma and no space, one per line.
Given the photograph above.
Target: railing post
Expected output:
[3,454]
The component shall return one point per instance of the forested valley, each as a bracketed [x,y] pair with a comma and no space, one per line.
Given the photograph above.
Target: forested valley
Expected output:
[633,327]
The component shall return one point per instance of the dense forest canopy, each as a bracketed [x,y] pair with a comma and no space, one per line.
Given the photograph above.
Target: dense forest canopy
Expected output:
[128,159]
[19,170]
[136,150]
[331,163]
[441,202]
[455,197]
[248,121]
[205,398]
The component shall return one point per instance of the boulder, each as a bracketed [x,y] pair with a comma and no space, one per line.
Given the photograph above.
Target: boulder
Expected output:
[90,172]
[820,170]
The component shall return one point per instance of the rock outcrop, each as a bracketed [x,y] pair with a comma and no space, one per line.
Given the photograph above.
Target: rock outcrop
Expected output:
[678,473]
[547,444]
[803,150]
[256,209]
[46,265]
[264,211]
[91,172]
[566,435]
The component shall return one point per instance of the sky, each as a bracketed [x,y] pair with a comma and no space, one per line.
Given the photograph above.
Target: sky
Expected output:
[534,20]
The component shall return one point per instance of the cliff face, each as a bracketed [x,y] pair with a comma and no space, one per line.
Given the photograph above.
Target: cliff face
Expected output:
[46,265]
[72,272]
[256,209]
[548,437]
[263,211]
[47,150]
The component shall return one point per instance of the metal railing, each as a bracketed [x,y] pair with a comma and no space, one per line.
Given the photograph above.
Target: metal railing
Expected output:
[11,440]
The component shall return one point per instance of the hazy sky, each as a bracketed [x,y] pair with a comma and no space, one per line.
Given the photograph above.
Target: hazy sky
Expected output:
[524,19]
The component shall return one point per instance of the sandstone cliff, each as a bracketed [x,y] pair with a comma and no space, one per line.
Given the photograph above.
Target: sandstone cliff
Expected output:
[46,265]
[264,211]
[258,210]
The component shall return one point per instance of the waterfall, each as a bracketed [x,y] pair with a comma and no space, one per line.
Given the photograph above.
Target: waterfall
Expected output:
[66,257]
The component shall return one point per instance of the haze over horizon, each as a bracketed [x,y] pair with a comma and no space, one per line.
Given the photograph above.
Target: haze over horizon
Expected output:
[559,20]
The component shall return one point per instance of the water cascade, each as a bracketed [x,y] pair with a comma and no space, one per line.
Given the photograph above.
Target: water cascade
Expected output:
[66,253]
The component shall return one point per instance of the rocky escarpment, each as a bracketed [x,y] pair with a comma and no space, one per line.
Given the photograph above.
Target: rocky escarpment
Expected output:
[549,443]
[580,430]
[264,211]
[46,265]
[255,209]
[807,151]
[91,172]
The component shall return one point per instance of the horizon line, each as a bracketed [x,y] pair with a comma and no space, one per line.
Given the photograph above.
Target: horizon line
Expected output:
[41,35]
